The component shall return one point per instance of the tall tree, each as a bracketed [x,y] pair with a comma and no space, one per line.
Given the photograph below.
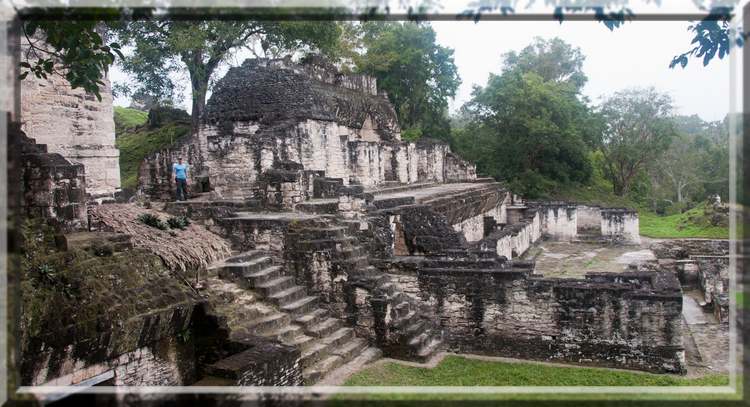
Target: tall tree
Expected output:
[553,60]
[530,124]
[638,130]
[418,74]
[162,47]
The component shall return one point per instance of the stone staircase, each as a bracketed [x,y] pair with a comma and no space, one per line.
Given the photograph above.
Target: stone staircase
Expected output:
[253,296]
[416,336]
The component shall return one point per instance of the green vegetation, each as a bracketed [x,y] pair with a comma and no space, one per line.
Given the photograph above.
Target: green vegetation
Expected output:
[692,223]
[742,301]
[418,74]
[136,146]
[460,371]
[127,119]
[157,49]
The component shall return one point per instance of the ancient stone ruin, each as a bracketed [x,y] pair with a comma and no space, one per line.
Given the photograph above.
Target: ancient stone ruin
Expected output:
[348,244]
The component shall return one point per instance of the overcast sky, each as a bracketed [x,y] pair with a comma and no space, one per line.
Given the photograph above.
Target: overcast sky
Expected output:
[636,54]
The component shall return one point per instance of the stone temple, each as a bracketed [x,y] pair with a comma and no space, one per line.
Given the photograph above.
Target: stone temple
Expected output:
[335,242]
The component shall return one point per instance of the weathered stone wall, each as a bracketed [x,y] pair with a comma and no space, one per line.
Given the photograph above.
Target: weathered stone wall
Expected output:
[52,188]
[621,224]
[141,352]
[621,320]
[168,362]
[74,124]
[589,218]
[559,220]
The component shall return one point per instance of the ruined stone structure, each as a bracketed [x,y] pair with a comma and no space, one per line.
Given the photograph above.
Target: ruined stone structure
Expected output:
[350,244]
[267,113]
[51,187]
[702,264]
[74,124]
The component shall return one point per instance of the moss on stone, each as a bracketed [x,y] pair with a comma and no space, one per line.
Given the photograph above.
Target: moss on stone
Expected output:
[79,298]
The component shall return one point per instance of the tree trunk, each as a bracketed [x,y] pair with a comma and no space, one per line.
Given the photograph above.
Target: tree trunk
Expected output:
[199,105]
[200,73]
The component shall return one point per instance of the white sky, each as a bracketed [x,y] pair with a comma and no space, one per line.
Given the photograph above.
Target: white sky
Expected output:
[636,54]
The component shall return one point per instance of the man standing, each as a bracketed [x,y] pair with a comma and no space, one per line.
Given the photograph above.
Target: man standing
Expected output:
[180,178]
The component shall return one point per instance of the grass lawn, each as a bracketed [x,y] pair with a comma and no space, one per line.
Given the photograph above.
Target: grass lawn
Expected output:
[459,371]
[135,146]
[128,119]
[691,223]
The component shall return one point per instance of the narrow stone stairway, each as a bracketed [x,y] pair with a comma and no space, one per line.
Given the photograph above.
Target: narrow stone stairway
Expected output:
[253,296]
[419,337]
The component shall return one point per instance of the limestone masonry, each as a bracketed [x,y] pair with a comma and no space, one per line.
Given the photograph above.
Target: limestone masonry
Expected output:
[74,124]
[349,244]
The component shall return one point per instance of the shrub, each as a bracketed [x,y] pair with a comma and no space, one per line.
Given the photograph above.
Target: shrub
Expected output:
[179,222]
[153,221]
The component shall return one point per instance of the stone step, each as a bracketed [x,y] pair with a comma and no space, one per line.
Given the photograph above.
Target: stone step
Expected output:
[316,233]
[260,277]
[301,306]
[316,372]
[245,256]
[350,349]
[287,296]
[312,317]
[267,323]
[324,328]
[315,352]
[274,286]
[302,342]
[235,270]
[339,337]
[366,356]
[285,333]
[323,244]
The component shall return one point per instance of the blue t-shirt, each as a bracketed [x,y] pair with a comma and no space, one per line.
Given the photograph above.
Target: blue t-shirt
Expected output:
[180,171]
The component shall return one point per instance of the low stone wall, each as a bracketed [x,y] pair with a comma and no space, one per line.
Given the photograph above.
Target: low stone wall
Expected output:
[589,218]
[630,320]
[558,219]
[620,224]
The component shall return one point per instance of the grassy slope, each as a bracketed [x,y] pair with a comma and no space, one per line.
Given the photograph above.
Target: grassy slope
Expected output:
[128,119]
[459,371]
[136,145]
[691,223]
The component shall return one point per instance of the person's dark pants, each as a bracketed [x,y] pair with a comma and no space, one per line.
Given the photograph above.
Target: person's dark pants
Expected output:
[181,189]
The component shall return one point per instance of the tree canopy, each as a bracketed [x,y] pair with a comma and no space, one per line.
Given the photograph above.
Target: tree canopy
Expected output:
[530,125]
[638,130]
[418,74]
[161,47]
